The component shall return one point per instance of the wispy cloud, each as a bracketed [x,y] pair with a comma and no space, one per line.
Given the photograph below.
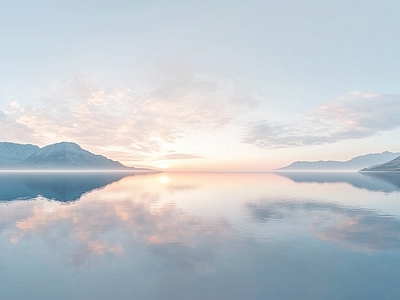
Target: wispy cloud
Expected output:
[138,124]
[10,128]
[355,116]
[178,156]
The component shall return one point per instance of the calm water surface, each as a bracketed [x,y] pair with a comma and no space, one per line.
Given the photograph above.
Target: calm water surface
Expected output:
[200,236]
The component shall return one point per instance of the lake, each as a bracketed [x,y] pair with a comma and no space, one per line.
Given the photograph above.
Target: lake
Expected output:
[200,236]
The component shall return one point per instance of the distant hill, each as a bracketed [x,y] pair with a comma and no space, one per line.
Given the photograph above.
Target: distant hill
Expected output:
[390,166]
[357,163]
[59,156]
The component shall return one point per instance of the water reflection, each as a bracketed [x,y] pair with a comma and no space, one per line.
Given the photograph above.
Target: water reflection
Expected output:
[355,228]
[79,231]
[56,186]
[391,177]
[384,182]
[197,236]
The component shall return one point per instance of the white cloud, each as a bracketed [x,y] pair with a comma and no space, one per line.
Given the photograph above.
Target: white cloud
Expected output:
[355,116]
[11,130]
[178,156]
[138,124]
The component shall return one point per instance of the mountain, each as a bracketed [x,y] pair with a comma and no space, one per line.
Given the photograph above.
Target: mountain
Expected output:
[390,166]
[59,156]
[12,154]
[355,164]
[69,156]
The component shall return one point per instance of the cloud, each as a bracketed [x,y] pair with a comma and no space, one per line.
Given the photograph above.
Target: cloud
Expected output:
[178,156]
[354,228]
[355,116]
[10,129]
[123,120]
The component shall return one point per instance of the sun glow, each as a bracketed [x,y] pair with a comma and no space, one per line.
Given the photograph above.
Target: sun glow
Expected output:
[164,180]
[163,165]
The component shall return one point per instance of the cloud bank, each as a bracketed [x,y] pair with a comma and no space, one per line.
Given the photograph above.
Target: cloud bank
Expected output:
[355,116]
[121,121]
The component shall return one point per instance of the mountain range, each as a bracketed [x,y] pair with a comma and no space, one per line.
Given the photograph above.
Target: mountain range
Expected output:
[59,156]
[355,164]
[390,166]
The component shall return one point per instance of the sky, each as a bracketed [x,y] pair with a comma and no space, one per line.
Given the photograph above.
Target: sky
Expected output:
[203,85]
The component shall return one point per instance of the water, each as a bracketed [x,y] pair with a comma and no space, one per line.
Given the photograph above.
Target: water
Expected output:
[200,236]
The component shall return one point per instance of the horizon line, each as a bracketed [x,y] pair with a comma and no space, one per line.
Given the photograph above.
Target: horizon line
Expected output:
[78,171]
[151,171]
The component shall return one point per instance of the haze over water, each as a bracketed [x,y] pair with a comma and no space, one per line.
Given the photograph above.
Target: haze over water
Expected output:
[200,236]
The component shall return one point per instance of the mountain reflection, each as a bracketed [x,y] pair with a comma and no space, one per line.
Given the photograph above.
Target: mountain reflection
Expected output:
[116,221]
[392,178]
[57,186]
[355,228]
[380,182]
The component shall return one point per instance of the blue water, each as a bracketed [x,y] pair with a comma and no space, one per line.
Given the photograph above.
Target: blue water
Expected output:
[200,236]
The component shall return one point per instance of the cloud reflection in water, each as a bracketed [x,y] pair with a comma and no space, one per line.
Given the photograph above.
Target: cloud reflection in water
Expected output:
[117,222]
[358,229]
[166,236]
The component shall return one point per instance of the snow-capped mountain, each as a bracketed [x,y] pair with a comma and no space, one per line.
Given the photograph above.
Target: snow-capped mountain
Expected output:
[62,155]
